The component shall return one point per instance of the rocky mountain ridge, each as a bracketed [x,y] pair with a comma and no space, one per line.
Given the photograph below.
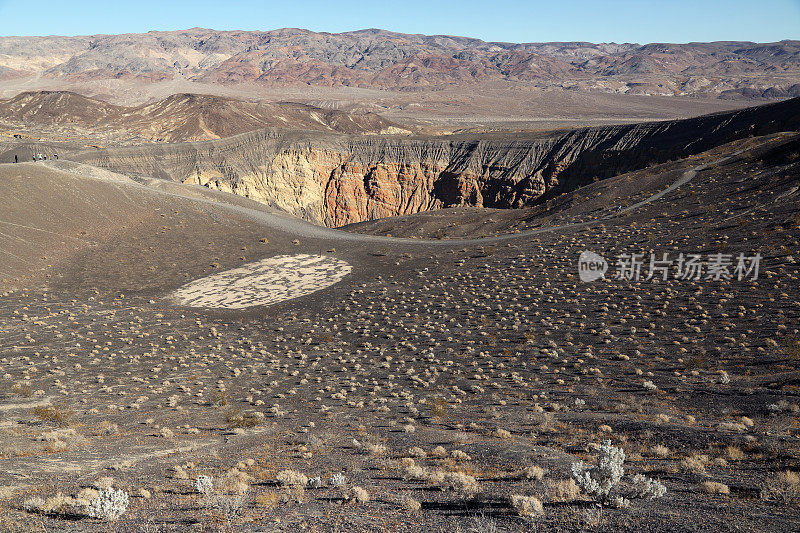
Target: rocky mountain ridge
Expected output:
[383,59]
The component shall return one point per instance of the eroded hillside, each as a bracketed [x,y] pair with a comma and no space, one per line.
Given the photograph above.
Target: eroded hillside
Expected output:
[338,179]
[179,117]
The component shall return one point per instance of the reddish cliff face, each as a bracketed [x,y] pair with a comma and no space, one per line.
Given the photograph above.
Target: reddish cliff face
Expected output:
[338,179]
[358,192]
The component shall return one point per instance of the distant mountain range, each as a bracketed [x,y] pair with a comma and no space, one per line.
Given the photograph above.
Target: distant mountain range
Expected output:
[386,60]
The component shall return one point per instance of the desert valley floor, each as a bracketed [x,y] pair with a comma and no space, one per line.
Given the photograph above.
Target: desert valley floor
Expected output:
[426,368]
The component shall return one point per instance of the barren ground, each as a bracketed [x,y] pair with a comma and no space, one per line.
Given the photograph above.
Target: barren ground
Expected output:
[482,347]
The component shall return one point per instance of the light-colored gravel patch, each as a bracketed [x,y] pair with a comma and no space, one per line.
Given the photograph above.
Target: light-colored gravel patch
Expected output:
[271,280]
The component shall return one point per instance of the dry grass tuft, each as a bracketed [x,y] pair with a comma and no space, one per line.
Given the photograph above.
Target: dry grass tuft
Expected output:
[713,487]
[783,487]
[54,414]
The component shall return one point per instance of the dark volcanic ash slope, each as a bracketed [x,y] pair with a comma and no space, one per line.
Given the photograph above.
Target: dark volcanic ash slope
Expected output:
[57,107]
[339,179]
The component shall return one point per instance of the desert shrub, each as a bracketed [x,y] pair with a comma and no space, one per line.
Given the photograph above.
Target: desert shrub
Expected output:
[374,449]
[204,484]
[439,407]
[417,452]
[464,484]
[643,487]
[439,451]
[734,453]
[410,504]
[731,426]
[783,406]
[602,481]
[293,493]
[268,499]
[102,483]
[88,494]
[598,481]
[359,495]
[533,472]
[713,487]
[459,455]
[407,462]
[415,472]
[109,505]
[22,389]
[219,399]
[659,450]
[54,414]
[34,504]
[292,478]
[783,487]
[649,386]
[695,464]
[337,480]
[661,418]
[435,477]
[236,419]
[58,505]
[527,506]
[230,506]
[235,481]
[562,490]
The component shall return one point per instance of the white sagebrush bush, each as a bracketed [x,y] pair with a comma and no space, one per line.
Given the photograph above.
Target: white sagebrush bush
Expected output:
[645,488]
[598,481]
[109,505]
[337,480]
[602,481]
[204,484]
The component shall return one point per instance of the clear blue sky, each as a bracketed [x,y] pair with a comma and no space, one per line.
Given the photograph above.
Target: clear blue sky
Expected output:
[494,20]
